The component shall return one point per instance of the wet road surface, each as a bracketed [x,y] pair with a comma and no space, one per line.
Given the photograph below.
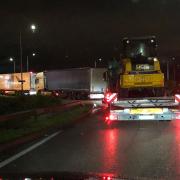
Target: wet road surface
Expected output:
[143,149]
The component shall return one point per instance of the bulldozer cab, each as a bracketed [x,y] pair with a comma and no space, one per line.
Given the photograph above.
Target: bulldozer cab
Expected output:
[139,47]
[142,52]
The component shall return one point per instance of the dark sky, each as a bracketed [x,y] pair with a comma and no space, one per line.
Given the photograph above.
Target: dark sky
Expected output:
[75,33]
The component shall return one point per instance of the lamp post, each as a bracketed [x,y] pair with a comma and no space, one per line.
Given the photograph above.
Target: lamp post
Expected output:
[95,62]
[168,70]
[14,63]
[21,63]
[174,69]
[33,29]
[27,60]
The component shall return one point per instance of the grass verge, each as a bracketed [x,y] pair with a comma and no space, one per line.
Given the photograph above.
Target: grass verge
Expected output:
[12,130]
[12,104]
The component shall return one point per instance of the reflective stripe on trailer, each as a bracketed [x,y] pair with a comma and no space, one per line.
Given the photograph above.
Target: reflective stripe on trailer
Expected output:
[142,117]
[177,98]
[111,97]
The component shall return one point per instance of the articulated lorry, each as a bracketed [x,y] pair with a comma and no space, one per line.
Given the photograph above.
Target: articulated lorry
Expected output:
[76,83]
[11,83]
[136,88]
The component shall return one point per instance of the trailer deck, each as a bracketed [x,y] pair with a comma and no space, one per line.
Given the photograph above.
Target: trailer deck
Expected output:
[160,109]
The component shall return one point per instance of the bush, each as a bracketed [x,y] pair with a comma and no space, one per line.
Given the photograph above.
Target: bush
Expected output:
[20,103]
[12,130]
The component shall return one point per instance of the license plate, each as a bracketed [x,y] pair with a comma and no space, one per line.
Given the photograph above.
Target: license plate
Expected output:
[145,117]
[147,111]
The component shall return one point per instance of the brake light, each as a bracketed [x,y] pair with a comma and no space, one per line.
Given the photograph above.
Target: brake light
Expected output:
[111,117]
[107,118]
[107,178]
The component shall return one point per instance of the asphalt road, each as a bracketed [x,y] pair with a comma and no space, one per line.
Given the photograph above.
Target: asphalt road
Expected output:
[143,149]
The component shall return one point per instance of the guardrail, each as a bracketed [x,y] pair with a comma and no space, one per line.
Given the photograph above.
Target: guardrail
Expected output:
[39,111]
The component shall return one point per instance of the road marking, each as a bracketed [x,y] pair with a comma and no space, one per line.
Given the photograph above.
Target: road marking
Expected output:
[13,158]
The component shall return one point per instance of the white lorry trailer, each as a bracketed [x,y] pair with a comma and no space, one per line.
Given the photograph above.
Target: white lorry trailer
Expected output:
[76,83]
[11,83]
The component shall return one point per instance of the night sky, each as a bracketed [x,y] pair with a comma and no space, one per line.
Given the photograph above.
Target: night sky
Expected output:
[75,33]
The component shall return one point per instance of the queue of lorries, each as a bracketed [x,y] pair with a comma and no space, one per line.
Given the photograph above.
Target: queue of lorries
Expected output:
[76,83]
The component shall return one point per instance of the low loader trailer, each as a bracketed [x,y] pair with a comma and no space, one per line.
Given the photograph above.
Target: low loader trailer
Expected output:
[144,109]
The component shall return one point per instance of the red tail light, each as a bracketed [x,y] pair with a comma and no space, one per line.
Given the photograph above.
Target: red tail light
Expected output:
[107,178]
[111,117]
[107,118]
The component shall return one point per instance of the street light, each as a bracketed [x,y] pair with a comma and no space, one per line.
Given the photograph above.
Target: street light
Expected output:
[27,60]
[95,62]
[11,59]
[14,63]
[33,28]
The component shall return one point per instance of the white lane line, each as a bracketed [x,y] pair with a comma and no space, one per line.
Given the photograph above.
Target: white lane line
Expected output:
[13,158]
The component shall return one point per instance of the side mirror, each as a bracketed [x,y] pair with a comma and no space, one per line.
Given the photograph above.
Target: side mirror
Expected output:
[105,76]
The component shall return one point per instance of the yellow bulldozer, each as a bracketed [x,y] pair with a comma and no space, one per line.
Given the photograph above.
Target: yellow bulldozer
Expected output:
[140,67]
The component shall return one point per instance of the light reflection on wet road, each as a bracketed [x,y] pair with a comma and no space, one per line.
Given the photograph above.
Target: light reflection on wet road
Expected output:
[143,149]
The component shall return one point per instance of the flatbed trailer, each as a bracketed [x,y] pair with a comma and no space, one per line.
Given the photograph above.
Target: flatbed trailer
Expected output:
[158,108]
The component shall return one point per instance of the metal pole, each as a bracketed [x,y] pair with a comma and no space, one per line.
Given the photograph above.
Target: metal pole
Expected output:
[21,59]
[27,63]
[168,70]
[14,66]
[174,70]
[95,63]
